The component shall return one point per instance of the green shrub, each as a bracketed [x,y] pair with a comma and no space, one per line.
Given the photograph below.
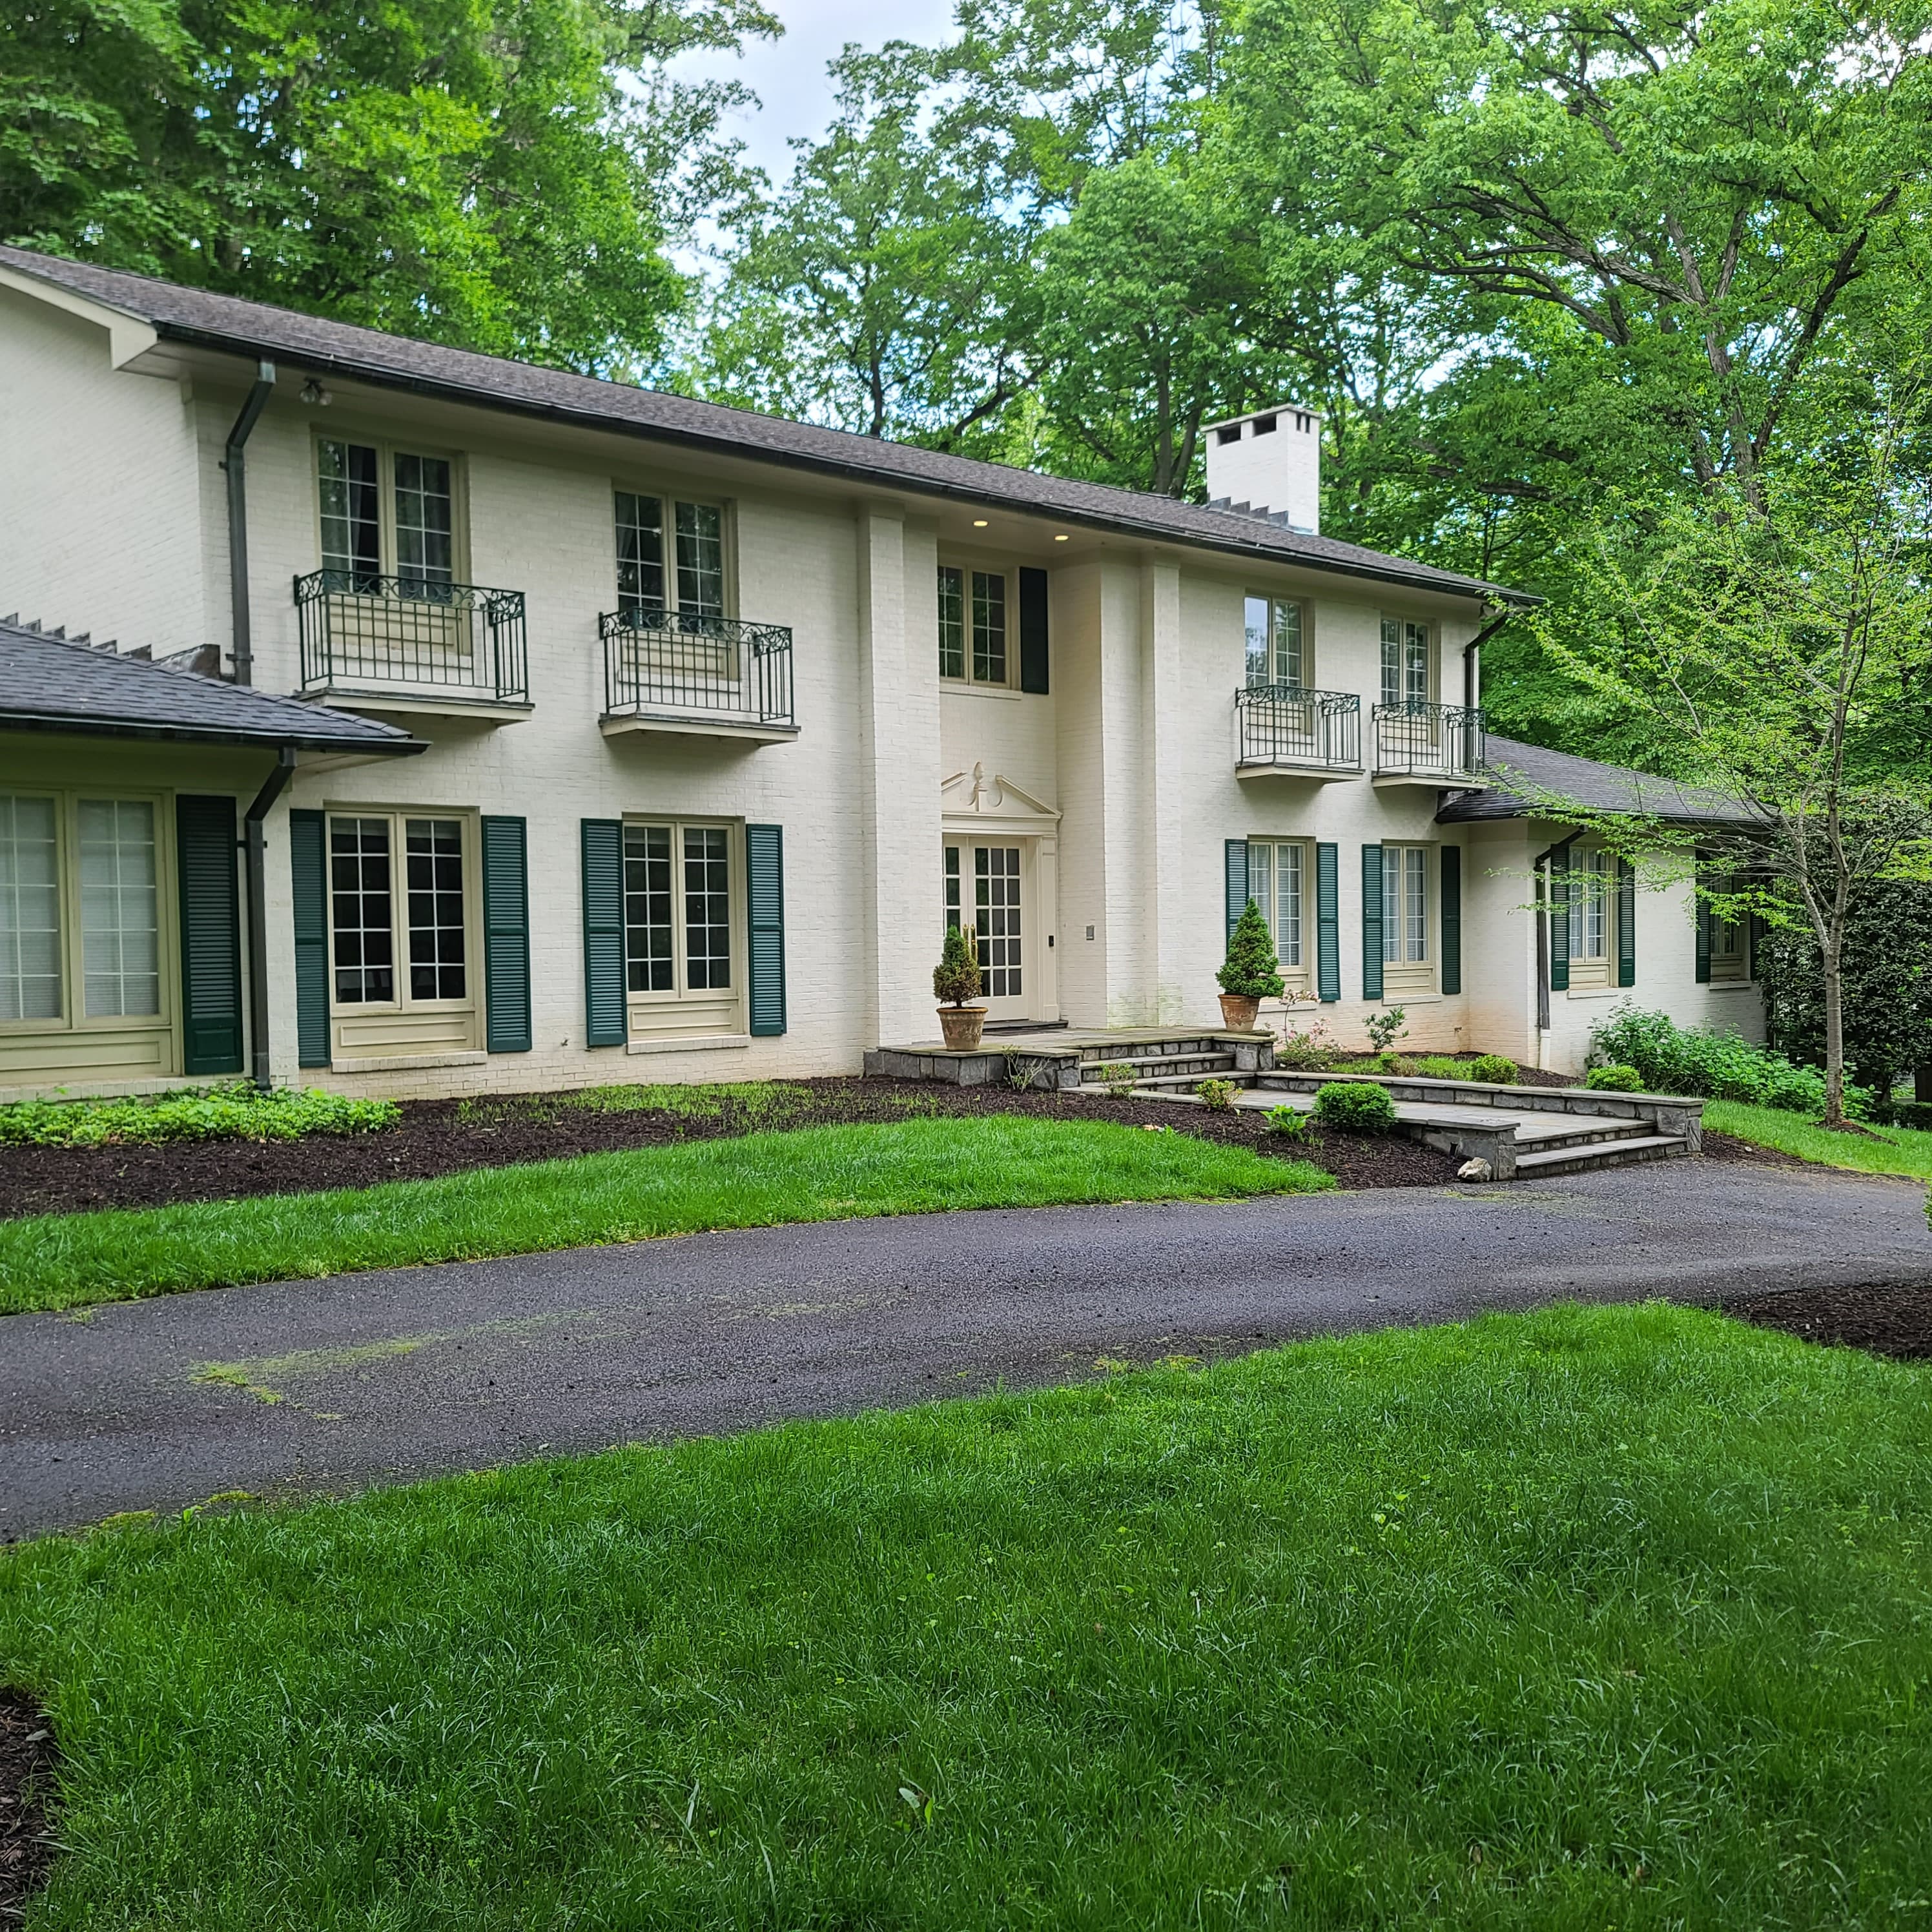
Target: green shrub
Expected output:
[1385,1029]
[1497,1068]
[237,1112]
[955,979]
[1289,1122]
[1217,1095]
[1251,970]
[1356,1106]
[1615,1080]
[1720,1065]
[1117,1076]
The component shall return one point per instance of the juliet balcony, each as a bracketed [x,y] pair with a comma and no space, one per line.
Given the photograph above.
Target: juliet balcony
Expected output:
[1428,744]
[696,676]
[410,644]
[1284,731]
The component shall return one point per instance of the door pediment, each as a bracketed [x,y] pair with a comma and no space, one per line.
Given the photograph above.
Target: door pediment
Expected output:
[973,800]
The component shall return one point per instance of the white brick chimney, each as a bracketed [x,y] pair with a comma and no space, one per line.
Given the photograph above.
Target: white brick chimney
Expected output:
[1269,463]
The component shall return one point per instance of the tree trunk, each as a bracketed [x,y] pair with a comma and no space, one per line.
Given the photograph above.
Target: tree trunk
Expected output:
[1834,1041]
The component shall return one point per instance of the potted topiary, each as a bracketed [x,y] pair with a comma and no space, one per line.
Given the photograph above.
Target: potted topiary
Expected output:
[1251,973]
[956,980]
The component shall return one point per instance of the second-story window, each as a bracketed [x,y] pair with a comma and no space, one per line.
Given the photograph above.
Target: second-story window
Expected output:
[387,512]
[1273,628]
[972,625]
[681,581]
[1405,661]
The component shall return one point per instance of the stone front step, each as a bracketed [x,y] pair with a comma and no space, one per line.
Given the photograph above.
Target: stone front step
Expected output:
[1177,1046]
[1544,1163]
[1166,1070]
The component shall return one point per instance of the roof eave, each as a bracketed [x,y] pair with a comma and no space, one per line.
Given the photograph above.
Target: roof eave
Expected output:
[96,727]
[852,473]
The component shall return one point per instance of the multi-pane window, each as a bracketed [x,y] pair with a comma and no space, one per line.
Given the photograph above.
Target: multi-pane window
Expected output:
[1405,661]
[432,859]
[996,895]
[419,543]
[1277,882]
[689,583]
[80,908]
[677,908]
[371,925]
[1405,905]
[30,927]
[120,908]
[1273,627]
[972,624]
[1592,878]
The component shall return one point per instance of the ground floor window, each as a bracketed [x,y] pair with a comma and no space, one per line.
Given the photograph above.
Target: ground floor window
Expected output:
[1405,905]
[677,908]
[1278,876]
[1592,915]
[398,909]
[80,908]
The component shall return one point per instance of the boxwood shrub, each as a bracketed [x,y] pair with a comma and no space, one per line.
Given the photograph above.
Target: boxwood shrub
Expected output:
[1356,1106]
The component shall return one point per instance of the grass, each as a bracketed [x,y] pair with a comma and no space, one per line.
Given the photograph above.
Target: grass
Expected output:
[1906,1150]
[1589,1618]
[813,1173]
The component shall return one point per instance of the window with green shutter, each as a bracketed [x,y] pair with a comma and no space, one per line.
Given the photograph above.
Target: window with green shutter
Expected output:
[308,884]
[1327,922]
[1372,922]
[1626,923]
[506,935]
[1559,919]
[1235,896]
[1450,865]
[605,1018]
[211,935]
[1033,676]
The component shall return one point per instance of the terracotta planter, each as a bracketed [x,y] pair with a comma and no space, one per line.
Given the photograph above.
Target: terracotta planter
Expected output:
[960,1026]
[1238,1012]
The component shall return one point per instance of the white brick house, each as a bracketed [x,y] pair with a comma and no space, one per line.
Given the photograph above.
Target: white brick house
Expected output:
[723,714]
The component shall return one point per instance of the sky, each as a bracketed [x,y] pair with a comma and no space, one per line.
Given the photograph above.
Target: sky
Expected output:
[788,75]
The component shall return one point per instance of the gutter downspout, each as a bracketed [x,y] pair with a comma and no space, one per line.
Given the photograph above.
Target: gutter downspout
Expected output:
[254,848]
[1538,866]
[234,463]
[1471,656]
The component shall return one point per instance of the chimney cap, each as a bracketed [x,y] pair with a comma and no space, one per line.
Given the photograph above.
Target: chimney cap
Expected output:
[1299,418]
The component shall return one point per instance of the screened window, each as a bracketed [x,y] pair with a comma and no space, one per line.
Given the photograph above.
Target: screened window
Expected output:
[1405,905]
[972,625]
[1273,627]
[30,925]
[1592,880]
[1277,882]
[677,908]
[120,908]
[387,511]
[687,584]
[1405,661]
[372,926]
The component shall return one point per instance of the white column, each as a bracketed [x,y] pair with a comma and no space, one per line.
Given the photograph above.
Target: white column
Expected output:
[1166,795]
[898,776]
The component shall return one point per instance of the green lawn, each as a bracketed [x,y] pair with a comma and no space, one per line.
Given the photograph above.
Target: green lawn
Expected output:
[815,1174]
[1881,1150]
[1620,1617]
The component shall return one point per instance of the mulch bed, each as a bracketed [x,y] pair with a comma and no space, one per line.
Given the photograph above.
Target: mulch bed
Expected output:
[28,1754]
[437,1137]
[1892,1319]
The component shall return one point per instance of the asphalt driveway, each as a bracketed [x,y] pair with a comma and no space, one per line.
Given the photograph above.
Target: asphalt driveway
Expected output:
[323,1386]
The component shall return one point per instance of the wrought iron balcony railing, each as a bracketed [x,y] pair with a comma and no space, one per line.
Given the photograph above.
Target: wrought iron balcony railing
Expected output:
[676,667]
[1284,725]
[411,636]
[1416,740]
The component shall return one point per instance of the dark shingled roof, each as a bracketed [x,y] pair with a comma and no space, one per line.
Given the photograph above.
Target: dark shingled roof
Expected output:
[194,316]
[1541,778]
[55,684]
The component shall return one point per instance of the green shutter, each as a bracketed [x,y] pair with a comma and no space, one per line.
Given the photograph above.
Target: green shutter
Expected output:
[1372,921]
[1559,919]
[1452,919]
[1327,923]
[764,904]
[506,936]
[211,924]
[1626,923]
[603,1004]
[308,875]
[1234,860]
[1033,631]
[1703,910]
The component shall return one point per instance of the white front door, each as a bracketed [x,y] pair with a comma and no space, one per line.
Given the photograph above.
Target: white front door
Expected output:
[986,885]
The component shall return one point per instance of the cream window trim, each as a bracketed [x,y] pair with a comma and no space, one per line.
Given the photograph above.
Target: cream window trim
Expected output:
[387,450]
[406,1027]
[1410,907]
[968,679]
[1592,917]
[659,1015]
[1268,660]
[1281,884]
[73,1019]
[1407,660]
[668,500]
